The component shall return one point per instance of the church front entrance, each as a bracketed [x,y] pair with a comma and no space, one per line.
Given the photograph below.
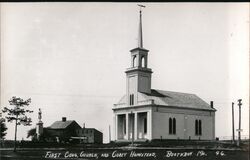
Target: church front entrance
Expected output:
[132,126]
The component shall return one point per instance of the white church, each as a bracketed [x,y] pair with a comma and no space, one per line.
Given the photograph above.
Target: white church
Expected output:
[144,113]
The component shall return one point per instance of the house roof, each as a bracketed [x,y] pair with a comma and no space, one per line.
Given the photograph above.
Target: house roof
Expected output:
[61,124]
[90,129]
[173,99]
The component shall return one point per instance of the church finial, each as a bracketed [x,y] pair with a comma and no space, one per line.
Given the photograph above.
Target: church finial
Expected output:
[140,41]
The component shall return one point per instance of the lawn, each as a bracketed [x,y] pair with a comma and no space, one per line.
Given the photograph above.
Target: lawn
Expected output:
[124,154]
[157,150]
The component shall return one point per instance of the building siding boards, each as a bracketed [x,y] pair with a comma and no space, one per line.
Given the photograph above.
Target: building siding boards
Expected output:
[63,130]
[92,135]
[185,125]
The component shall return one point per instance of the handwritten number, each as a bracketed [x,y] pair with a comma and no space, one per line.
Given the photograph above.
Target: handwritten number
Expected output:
[220,153]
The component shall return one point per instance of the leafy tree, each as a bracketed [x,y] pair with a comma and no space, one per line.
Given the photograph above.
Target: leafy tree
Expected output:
[16,112]
[44,136]
[32,133]
[3,128]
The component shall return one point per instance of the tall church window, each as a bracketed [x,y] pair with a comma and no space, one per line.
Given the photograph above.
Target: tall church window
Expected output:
[143,61]
[145,125]
[198,127]
[131,99]
[134,61]
[170,126]
[174,126]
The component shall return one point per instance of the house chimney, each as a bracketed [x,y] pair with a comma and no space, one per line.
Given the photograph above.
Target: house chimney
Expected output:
[212,104]
[64,119]
[83,125]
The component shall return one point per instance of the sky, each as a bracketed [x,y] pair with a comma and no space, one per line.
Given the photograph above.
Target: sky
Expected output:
[70,58]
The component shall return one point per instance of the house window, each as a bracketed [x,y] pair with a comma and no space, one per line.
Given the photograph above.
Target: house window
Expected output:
[172,125]
[145,125]
[198,127]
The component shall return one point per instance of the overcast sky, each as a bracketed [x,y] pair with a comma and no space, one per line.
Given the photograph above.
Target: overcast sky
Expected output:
[70,58]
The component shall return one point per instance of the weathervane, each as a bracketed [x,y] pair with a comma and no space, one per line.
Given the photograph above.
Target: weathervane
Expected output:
[141,6]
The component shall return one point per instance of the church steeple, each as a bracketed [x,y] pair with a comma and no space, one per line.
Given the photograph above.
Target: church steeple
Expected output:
[138,75]
[139,54]
[140,40]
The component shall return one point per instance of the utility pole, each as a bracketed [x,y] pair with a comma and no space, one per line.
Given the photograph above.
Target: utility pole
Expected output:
[132,128]
[233,121]
[109,134]
[239,130]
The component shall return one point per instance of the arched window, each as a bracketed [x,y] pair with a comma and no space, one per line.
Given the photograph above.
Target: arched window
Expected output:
[200,127]
[170,126]
[145,125]
[134,61]
[174,126]
[196,127]
[143,61]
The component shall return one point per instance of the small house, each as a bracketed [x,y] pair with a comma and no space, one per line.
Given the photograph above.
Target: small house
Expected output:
[64,129]
[89,135]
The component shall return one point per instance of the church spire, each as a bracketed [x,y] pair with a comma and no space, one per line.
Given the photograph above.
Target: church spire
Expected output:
[140,40]
[138,75]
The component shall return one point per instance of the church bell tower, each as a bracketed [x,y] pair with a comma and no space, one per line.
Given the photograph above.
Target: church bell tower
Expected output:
[138,75]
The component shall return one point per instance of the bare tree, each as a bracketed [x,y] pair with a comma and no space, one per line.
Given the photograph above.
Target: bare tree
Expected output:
[16,112]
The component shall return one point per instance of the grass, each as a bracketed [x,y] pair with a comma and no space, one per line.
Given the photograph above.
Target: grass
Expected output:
[161,154]
[222,150]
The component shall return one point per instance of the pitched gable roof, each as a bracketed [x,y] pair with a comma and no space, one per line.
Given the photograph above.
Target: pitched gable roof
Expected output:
[172,99]
[61,124]
[90,129]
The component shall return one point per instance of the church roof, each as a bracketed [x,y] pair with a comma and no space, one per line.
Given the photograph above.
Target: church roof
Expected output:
[172,99]
[61,124]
